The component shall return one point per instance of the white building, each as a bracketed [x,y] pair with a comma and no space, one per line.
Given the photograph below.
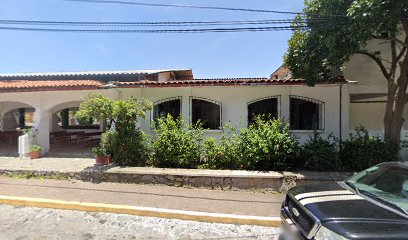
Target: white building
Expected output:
[51,98]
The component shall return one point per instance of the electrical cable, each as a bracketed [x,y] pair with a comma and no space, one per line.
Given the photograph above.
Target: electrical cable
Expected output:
[156,24]
[204,30]
[183,6]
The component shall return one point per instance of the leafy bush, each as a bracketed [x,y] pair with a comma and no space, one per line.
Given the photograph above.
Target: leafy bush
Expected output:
[267,145]
[220,155]
[109,141]
[128,144]
[361,151]
[131,148]
[264,145]
[99,151]
[321,154]
[177,144]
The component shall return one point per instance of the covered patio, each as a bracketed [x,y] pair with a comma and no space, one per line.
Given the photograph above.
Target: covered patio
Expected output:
[15,117]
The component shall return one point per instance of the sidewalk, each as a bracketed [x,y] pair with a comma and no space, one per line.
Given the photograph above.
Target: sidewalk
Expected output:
[246,203]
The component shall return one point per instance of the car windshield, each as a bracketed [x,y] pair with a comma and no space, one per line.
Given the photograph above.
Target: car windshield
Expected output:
[387,183]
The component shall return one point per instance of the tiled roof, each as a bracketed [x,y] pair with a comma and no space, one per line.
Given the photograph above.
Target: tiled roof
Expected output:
[212,82]
[88,73]
[55,85]
[27,84]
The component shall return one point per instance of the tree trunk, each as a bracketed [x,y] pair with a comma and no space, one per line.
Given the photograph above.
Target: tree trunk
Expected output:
[397,97]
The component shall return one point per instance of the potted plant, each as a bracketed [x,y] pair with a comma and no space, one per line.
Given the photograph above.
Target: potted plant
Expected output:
[35,151]
[101,157]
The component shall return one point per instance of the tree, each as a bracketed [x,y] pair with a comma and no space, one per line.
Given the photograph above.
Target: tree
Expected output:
[123,113]
[126,143]
[329,32]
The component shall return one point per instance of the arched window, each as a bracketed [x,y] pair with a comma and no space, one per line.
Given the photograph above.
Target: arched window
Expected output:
[265,106]
[306,113]
[206,111]
[167,106]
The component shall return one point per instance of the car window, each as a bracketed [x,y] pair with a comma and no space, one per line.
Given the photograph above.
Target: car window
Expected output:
[387,182]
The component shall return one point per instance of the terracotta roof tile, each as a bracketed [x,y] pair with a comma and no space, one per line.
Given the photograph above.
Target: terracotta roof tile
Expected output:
[55,85]
[34,84]
[213,82]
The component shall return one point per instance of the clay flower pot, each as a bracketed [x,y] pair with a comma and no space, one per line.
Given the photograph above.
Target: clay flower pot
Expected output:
[110,159]
[35,154]
[101,160]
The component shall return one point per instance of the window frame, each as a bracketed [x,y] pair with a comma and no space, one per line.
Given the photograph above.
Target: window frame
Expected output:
[322,113]
[207,100]
[163,101]
[278,105]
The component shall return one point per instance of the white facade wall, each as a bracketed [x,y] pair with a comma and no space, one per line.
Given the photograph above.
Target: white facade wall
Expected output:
[369,112]
[234,100]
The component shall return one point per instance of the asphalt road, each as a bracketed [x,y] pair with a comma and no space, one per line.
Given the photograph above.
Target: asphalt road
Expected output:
[41,223]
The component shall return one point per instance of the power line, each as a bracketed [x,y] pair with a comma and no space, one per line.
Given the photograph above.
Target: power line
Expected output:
[203,30]
[183,6]
[155,24]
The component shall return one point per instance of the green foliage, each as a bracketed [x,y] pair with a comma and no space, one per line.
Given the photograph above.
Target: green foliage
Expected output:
[99,151]
[344,30]
[96,106]
[128,149]
[131,148]
[177,144]
[221,155]
[35,148]
[266,145]
[128,144]
[361,151]
[124,113]
[321,154]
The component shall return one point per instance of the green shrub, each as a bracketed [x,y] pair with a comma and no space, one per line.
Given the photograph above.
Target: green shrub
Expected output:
[320,154]
[177,144]
[128,144]
[109,141]
[220,155]
[361,151]
[131,148]
[35,148]
[99,151]
[128,149]
[264,145]
[267,145]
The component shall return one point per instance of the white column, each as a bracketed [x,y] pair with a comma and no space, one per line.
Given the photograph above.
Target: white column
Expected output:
[43,125]
[285,105]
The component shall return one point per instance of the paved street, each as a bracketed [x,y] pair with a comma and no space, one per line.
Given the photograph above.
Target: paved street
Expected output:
[42,223]
[158,196]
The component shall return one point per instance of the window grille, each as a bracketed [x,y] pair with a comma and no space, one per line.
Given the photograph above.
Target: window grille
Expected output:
[165,107]
[207,111]
[306,113]
[267,107]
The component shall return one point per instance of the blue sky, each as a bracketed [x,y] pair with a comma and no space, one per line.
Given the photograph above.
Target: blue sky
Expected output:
[251,54]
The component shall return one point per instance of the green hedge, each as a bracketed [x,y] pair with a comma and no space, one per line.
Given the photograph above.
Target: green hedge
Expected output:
[357,153]
[265,145]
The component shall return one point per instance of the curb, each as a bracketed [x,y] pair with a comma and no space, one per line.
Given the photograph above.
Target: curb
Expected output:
[142,211]
[170,177]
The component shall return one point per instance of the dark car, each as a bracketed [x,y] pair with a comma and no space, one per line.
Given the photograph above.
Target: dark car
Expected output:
[372,204]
